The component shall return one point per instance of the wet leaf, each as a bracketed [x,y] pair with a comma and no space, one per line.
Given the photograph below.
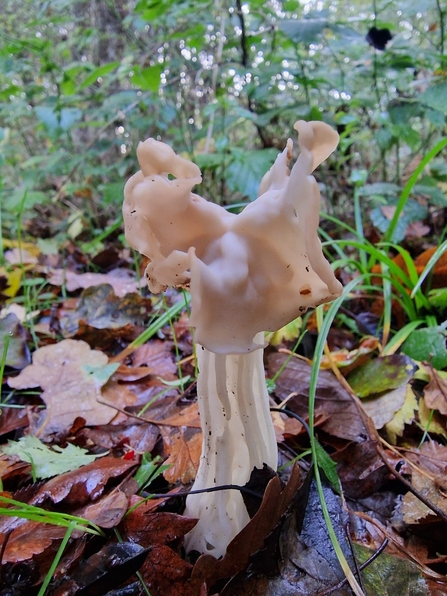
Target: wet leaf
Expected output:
[69,390]
[48,462]
[333,403]
[165,572]
[360,468]
[148,529]
[109,567]
[274,504]
[101,308]
[108,511]
[389,575]
[383,408]
[81,486]
[381,374]
[13,342]
[427,344]
[19,547]
[184,456]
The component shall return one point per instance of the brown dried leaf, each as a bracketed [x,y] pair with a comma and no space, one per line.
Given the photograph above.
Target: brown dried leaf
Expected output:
[70,390]
[275,503]
[333,402]
[108,511]
[82,485]
[122,280]
[19,547]
[435,393]
[139,436]
[413,510]
[157,355]
[147,529]
[166,573]
[361,469]
[183,457]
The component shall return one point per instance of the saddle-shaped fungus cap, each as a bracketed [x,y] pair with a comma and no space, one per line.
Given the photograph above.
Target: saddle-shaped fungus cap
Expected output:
[247,273]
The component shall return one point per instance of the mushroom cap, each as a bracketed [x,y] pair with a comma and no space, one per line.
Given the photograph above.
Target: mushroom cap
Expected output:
[251,272]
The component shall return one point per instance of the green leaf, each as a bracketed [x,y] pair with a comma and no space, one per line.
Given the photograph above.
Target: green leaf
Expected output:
[428,345]
[305,30]
[149,470]
[438,298]
[148,78]
[381,374]
[328,466]
[48,462]
[53,119]
[98,72]
[245,173]
[435,97]
[389,575]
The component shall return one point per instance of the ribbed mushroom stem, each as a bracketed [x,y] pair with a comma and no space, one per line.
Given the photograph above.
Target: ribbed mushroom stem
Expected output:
[238,435]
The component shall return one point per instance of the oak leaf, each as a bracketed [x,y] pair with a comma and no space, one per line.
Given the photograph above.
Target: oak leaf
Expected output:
[71,376]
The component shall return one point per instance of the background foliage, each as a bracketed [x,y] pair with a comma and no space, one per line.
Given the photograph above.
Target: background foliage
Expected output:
[82,82]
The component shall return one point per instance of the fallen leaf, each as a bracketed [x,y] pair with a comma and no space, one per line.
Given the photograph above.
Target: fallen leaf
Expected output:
[101,308]
[333,403]
[81,486]
[275,503]
[395,427]
[435,393]
[148,529]
[122,280]
[389,575]
[361,469]
[413,510]
[164,572]
[383,408]
[184,456]
[19,256]
[48,462]
[69,390]
[381,374]
[19,547]
[13,340]
[108,568]
[108,511]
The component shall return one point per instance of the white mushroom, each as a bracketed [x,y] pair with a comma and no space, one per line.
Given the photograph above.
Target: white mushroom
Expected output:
[247,274]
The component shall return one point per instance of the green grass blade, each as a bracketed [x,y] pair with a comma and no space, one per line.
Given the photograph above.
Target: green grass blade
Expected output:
[389,234]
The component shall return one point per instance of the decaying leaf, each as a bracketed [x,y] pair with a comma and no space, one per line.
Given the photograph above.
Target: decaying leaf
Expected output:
[108,511]
[383,408]
[69,389]
[101,308]
[122,280]
[275,503]
[48,462]
[13,342]
[381,374]
[19,547]
[435,393]
[333,402]
[395,427]
[148,529]
[81,486]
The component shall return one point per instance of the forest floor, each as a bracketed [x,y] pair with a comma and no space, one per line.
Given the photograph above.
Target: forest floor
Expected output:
[101,440]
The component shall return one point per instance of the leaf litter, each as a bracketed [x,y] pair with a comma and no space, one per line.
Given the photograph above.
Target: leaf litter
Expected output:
[140,407]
